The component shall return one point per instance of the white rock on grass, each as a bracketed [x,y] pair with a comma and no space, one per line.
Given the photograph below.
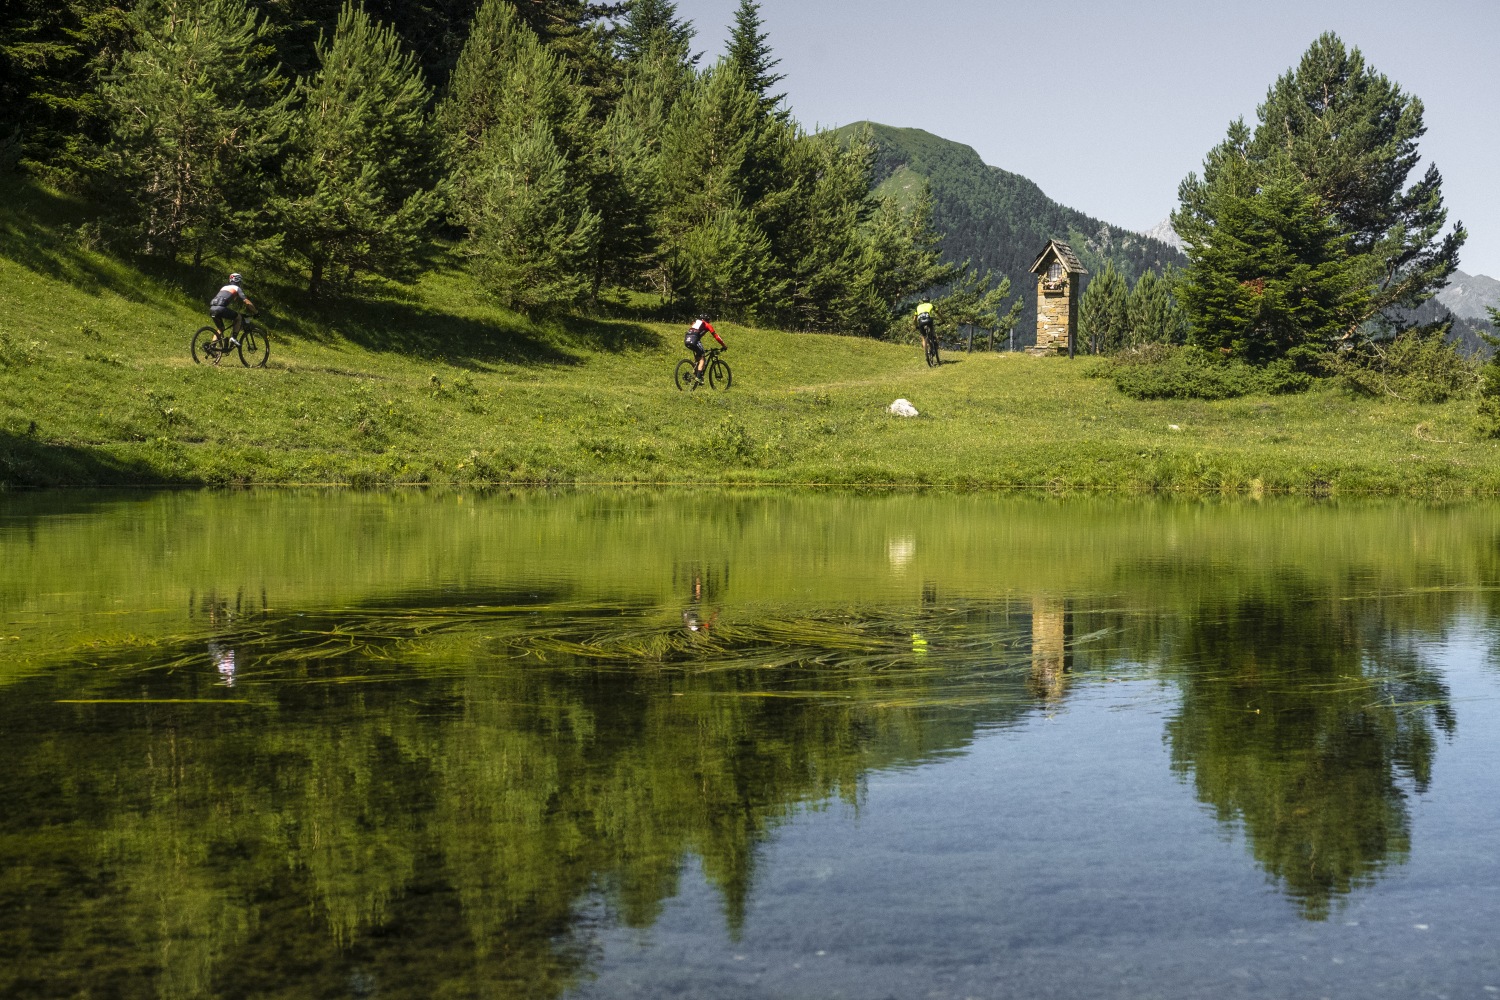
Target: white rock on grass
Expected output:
[903,408]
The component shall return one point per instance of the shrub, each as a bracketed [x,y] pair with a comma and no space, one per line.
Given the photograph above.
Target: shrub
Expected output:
[1489,388]
[1420,366]
[1157,371]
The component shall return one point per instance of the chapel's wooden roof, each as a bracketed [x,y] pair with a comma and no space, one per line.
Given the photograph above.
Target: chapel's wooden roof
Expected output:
[1065,256]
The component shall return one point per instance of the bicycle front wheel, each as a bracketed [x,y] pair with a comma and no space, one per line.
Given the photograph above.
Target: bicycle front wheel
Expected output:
[255,348]
[205,349]
[685,376]
[719,375]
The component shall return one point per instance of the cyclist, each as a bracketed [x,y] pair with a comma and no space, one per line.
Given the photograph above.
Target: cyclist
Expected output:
[692,341]
[926,323]
[230,304]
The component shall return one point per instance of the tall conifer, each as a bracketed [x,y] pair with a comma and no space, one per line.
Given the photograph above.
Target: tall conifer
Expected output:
[722,160]
[1103,315]
[905,255]
[749,52]
[1334,131]
[1155,317]
[52,115]
[360,192]
[196,110]
[649,22]
[518,125]
[631,153]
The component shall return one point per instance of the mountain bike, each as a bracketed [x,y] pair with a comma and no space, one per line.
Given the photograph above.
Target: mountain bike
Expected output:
[930,349]
[251,344]
[716,371]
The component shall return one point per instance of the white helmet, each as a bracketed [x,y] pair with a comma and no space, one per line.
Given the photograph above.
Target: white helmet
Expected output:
[236,278]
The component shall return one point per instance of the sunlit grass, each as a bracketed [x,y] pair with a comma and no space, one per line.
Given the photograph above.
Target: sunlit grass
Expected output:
[435,384]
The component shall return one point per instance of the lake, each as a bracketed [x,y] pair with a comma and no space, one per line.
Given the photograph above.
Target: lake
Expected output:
[746,745]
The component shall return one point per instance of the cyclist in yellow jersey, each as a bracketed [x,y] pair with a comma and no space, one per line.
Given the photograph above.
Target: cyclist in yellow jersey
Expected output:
[926,323]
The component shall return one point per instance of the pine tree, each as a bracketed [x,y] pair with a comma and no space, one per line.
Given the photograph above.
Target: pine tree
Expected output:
[52,116]
[518,127]
[1155,317]
[1103,315]
[359,190]
[1350,136]
[720,165]
[532,236]
[1335,131]
[748,51]
[975,300]
[823,244]
[651,23]
[630,154]
[197,111]
[1276,275]
[904,256]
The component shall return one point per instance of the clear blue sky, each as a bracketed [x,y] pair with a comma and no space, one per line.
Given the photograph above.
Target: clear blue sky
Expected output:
[1147,88]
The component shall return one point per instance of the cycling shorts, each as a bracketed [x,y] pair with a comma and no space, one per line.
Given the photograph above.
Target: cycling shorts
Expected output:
[691,342]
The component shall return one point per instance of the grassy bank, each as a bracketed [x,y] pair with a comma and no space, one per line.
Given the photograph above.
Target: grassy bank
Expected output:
[434,384]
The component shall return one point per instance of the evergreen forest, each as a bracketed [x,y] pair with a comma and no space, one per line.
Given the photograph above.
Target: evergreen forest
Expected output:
[591,158]
[571,155]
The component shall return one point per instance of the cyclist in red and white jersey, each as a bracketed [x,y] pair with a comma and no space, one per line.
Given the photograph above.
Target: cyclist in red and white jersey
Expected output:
[692,341]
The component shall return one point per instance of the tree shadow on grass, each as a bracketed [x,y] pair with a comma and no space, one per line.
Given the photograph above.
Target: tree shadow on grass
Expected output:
[48,233]
[56,236]
[27,461]
[392,323]
[60,237]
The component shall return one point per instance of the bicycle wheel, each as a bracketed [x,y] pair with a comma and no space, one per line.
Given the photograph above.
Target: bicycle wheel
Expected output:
[255,348]
[204,348]
[932,352]
[719,375]
[685,377]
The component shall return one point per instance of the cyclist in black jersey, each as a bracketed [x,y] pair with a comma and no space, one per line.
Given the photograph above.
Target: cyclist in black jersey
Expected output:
[230,305]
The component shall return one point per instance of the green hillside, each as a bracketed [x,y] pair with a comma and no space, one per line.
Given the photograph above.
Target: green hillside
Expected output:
[998,219]
[433,383]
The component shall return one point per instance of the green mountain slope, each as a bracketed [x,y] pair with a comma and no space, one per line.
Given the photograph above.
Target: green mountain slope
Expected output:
[998,219]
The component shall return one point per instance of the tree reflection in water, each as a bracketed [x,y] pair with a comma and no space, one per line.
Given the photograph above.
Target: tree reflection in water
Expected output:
[451,792]
[458,832]
[1308,721]
[1306,718]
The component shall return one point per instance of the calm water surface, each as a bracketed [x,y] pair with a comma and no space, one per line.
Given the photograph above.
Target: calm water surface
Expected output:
[746,745]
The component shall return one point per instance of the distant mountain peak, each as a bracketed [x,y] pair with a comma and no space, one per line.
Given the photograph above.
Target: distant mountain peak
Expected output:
[1164,232]
[1471,296]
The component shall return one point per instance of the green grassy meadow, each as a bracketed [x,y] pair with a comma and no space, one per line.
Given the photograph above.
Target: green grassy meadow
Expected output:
[433,384]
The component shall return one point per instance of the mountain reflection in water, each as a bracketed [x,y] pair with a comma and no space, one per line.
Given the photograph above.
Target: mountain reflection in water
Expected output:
[438,747]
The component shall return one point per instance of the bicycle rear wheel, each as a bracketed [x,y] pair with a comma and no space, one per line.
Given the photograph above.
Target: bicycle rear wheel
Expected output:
[932,352]
[719,375]
[255,348]
[205,349]
[685,376]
